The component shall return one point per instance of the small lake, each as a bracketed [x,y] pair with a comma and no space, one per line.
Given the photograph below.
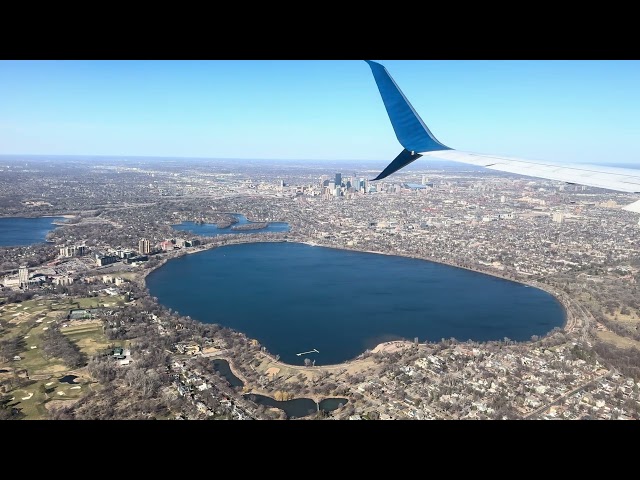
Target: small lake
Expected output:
[330,305]
[70,379]
[18,231]
[212,230]
[222,366]
[298,407]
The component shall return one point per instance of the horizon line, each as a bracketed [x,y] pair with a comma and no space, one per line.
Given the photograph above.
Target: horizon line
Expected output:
[173,157]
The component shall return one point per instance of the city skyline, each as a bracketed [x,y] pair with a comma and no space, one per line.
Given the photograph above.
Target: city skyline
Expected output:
[581,111]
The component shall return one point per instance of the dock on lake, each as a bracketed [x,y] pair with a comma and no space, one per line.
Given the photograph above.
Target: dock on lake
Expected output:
[310,351]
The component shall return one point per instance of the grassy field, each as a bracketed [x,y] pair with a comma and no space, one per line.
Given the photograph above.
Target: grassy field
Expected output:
[32,398]
[617,340]
[19,311]
[287,372]
[31,320]
[632,319]
[89,337]
[291,371]
[95,302]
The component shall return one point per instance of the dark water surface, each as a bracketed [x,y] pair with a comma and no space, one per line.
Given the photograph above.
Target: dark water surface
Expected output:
[294,298]
[211,229]
[16,231]
[223,367]
[298,407]
[70,379]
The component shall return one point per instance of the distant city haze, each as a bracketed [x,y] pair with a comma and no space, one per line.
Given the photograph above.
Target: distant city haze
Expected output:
[573,111]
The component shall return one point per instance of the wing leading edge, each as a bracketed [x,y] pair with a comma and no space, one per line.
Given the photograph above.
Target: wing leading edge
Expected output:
[417,140]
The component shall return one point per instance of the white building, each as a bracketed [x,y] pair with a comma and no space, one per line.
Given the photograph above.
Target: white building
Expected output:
[72,251]
[23,277]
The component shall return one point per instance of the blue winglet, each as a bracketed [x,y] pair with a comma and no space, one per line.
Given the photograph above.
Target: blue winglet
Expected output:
[402,160]
[411,131]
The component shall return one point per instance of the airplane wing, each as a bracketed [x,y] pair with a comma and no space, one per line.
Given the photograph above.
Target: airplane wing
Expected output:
[418,141]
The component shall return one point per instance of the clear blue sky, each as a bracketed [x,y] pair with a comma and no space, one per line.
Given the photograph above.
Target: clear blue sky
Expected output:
[577,111]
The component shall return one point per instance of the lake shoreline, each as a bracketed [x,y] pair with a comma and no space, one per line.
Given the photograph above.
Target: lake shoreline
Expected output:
[529,283]
[395,344]
[23,231]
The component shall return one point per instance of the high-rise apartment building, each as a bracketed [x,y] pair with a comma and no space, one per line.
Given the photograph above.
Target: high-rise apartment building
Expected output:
[23,276]
[144,246]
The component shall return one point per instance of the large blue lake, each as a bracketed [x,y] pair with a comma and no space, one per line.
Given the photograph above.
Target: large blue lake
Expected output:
[16,231]
[295,298]
[211,229]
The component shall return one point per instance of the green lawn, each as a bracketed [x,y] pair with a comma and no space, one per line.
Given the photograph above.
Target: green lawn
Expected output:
[67,304]
[94,302]
[31,399]
[88,336]
[32,358]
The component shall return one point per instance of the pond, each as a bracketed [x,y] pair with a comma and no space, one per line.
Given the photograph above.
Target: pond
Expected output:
[70,379]
[298,407]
